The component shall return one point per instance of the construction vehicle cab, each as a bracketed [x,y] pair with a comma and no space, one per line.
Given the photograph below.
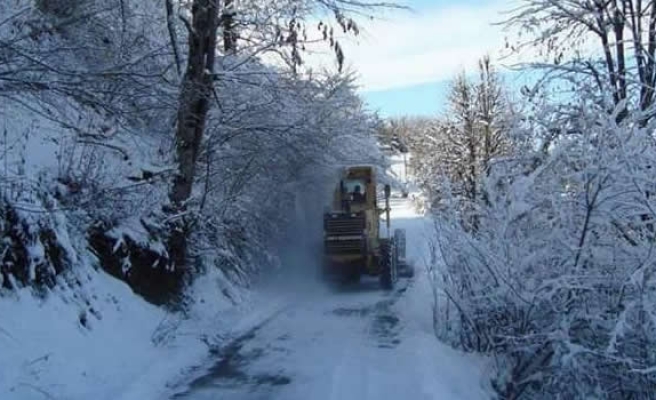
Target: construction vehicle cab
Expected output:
[354,243]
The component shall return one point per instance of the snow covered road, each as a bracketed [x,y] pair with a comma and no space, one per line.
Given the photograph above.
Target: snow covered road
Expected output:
[323,347]
[356,342]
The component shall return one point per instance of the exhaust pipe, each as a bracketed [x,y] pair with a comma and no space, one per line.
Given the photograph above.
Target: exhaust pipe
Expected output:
[388,191]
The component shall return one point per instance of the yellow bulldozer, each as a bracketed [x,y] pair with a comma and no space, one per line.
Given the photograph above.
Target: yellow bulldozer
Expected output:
[354,243]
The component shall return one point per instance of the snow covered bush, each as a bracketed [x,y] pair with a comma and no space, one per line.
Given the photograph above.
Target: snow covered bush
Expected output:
[136,253]
[35,246]
[558,280]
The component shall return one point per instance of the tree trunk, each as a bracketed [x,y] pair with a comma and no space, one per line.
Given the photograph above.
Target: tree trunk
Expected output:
[192,114]
[228,22]
[647,97]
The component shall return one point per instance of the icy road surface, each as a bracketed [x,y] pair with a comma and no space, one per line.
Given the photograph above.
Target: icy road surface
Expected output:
[357,342]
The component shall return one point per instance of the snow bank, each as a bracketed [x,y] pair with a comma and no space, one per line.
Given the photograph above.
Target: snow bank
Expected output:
[457,375]
[75,344]
[102,341]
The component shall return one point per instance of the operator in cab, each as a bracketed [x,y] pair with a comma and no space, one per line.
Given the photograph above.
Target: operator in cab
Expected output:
[358,196]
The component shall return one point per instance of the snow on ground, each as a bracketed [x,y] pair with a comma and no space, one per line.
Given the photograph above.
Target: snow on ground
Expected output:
[128,350]
[94,343]
[47,352]
[354,342]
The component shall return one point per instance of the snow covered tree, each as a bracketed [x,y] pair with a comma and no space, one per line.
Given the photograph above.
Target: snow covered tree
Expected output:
[274,26]
[194,105]
[464,145]
[492,113]
[477,130]
[462,138]
[249,135]
[572,34]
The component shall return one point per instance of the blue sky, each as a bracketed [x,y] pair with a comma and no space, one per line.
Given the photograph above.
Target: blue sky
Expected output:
[406,59]
[422,99]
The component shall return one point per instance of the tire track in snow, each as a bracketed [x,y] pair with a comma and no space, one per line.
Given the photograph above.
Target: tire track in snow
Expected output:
[385,326]
[230,362]
[232,371]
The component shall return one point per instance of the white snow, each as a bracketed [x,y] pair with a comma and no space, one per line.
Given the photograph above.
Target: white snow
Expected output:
[345,345]
[48,353]
[129,349]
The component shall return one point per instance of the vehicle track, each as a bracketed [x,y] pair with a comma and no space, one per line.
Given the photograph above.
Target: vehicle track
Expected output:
[256,363]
